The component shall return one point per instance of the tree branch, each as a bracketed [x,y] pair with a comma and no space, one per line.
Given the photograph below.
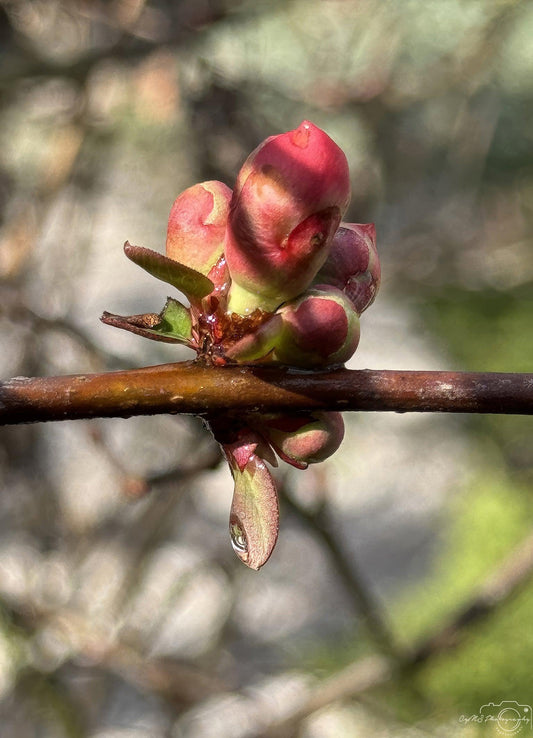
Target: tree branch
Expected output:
[191,387]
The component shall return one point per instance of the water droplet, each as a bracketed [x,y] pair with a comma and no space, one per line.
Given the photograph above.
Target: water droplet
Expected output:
[238,539]
[300,136]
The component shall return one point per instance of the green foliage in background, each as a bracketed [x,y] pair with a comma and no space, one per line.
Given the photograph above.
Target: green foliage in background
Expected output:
[487,519]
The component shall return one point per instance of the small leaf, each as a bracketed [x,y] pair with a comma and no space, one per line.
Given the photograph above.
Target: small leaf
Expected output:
[254,518]
[172,325]
[175,320]
[187,280]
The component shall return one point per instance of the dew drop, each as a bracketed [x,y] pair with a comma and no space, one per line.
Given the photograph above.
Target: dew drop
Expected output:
[238,539]
[300,136]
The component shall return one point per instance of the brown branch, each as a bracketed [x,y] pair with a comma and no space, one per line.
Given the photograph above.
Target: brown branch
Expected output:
[194,388]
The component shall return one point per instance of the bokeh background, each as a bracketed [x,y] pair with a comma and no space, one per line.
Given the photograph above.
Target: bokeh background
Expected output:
[123,611]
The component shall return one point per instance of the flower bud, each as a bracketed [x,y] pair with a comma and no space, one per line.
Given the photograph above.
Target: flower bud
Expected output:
[353,264]
[197,225]
[318,329]
[301,440]
[287,204]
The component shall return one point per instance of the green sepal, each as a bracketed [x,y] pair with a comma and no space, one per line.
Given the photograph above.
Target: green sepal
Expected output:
[172,325]
[193,284]
[175,321]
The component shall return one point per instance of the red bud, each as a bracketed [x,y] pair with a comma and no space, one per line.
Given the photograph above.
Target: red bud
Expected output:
[353,264]
[197,225]
[288,201]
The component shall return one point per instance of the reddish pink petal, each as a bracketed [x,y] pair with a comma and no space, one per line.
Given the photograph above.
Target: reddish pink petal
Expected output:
[319,325]
[197,225]
[287,203]
[353,264]
[314,440]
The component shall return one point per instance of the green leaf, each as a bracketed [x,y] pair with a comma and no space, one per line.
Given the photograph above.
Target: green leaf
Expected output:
[254,518]
[193,284]
[175,321]
[172,325]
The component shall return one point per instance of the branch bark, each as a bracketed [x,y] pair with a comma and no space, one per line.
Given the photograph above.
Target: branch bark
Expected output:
[194,388]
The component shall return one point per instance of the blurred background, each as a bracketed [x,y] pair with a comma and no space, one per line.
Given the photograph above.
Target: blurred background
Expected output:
[123,611]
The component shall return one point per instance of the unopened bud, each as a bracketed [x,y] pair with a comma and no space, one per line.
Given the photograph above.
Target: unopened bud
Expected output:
[287,204]
[319,329]
[353,264]
[197,225]
[301,440]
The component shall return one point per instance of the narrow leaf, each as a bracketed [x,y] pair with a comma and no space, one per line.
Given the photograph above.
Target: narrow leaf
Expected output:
[254,518]
[187,280]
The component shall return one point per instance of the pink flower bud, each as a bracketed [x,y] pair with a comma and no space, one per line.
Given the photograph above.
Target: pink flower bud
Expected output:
[318,329]
[321,328]
[353,264]
[197,225]
[287,204]
[304,439]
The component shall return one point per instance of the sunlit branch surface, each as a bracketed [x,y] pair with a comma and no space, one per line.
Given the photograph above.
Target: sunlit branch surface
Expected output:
[205,390]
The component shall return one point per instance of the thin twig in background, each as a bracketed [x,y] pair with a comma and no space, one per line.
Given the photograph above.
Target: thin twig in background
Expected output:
[176,680]
[505,582]
[364,601]
[13,306]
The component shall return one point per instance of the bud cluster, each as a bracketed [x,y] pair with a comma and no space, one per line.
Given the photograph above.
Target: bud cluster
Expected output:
[273,276]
